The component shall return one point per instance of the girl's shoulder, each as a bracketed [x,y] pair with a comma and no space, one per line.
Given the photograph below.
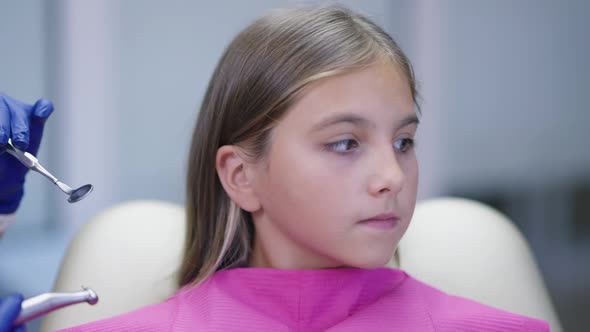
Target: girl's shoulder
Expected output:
[454,313]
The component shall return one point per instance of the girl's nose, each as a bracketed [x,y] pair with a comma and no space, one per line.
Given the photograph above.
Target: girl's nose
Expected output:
[387,176]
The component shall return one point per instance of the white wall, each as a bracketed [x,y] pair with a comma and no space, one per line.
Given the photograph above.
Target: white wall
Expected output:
[516,80]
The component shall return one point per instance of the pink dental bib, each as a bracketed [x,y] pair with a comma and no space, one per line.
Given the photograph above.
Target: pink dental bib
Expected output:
[346,299]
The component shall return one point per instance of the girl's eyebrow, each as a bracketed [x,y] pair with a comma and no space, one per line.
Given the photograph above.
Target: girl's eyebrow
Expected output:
[358,120]
[351,118]
[408,120]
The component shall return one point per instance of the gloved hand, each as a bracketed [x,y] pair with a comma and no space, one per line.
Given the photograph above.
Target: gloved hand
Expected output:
[9,310]
[23,124]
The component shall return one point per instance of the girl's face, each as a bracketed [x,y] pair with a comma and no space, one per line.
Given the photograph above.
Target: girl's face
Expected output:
[341,155]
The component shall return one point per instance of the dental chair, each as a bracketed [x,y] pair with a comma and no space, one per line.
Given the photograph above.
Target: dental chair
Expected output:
[129,255]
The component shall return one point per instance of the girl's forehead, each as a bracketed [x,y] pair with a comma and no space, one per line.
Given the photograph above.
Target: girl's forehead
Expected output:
[379,89]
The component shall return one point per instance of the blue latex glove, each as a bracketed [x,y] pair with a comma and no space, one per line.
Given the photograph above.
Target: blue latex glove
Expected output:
[9,310]
[23,124]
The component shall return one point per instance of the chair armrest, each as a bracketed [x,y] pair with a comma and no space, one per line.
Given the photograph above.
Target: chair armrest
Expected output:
[468,249]
[129,255]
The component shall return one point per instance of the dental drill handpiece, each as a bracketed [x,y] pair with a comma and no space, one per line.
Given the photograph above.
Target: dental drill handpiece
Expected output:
[47,302]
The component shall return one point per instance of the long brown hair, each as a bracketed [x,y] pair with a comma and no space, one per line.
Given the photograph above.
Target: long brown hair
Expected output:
[260,74]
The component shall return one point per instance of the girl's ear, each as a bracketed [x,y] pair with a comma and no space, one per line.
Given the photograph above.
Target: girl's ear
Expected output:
[235,178]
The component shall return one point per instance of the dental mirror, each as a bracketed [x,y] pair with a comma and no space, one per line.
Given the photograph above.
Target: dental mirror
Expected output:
[27,159]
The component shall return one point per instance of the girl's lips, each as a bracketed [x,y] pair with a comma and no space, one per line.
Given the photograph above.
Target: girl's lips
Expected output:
[380,224]
[383,221]
[383,216]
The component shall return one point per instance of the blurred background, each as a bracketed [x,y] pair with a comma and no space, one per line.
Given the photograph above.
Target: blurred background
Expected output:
[505,91]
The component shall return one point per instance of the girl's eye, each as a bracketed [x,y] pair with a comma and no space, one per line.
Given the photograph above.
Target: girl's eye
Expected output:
[404,144]
[342,146]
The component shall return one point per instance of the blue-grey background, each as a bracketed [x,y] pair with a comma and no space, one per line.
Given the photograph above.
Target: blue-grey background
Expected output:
[505,88]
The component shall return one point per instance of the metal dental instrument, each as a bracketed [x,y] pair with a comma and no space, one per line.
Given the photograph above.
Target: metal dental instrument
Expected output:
[32,163]
[47,302]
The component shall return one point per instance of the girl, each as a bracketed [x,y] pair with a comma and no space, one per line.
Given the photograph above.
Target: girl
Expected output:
[302,179]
